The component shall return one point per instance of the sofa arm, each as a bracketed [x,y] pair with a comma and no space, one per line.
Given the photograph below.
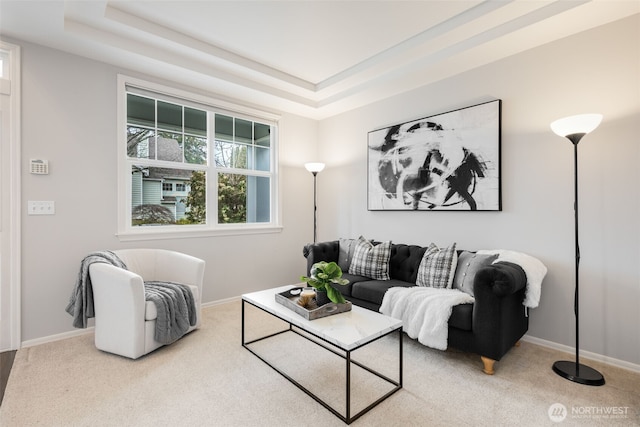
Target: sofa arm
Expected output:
[502,278]
[499,317]
[323,251]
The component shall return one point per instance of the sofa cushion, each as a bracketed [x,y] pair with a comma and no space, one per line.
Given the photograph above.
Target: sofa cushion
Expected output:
[346,289]
[345,254]
[374,290]
[461,317]
[371,261]
[438,266]
[468,265]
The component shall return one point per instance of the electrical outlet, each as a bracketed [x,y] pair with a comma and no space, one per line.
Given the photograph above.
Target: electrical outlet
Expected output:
[41,207]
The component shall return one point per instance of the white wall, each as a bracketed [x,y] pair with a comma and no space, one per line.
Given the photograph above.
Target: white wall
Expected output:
[596,71]
[69,118]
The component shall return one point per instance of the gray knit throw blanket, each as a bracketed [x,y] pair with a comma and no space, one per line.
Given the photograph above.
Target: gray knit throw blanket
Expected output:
[176,309]
[81,302]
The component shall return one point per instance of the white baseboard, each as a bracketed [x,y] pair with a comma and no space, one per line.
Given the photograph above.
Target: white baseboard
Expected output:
[57,337]
[220,301]
[89,330]
[583,354]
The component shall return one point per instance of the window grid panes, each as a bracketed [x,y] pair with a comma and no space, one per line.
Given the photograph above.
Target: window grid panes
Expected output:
[165,131]
[242,144]
[161,133]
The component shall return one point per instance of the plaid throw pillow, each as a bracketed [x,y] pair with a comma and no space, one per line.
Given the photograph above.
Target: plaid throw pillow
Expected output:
[438,266]
[371,261]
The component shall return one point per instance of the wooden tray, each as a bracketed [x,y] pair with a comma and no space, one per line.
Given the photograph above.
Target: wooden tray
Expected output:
[290,300]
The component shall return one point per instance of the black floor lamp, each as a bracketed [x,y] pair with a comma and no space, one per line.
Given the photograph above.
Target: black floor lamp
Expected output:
[314,168]
[574,128]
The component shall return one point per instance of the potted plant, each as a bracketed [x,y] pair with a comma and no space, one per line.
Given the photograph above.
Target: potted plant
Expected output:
[323,276]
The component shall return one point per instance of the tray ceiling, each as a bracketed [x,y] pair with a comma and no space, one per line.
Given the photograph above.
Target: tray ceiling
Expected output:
[313,58]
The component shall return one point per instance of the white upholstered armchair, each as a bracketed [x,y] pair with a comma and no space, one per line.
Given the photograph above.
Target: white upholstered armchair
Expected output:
[124,321]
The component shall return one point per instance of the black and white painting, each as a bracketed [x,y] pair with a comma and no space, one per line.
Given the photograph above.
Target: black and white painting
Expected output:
[450,161]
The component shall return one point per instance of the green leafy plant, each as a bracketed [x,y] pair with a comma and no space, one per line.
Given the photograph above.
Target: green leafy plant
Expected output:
[323,276]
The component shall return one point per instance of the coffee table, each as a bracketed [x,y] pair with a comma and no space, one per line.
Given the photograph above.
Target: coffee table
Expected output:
[343,332]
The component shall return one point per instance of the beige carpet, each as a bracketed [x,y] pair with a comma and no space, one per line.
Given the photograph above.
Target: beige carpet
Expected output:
[209,379]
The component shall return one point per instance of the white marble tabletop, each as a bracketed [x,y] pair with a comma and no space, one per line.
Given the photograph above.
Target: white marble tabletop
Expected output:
[347,330]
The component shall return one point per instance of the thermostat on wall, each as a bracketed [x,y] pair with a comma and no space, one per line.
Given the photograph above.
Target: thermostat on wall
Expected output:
[39,167]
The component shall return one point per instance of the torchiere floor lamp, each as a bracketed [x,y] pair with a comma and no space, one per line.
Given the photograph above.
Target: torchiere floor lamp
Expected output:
[314,168]
[574,128]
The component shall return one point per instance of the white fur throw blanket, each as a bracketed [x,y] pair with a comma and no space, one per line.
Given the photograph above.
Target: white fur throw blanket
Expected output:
[424,312]
[533,268]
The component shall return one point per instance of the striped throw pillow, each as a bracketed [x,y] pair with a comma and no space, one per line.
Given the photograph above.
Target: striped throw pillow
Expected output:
[438,266]
[371,261]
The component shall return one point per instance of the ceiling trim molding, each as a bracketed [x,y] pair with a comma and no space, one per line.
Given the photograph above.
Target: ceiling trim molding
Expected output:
[416,41]
[215,52]
[180,61]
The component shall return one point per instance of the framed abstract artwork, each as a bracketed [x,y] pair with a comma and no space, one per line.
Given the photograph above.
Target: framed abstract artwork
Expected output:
[446,162]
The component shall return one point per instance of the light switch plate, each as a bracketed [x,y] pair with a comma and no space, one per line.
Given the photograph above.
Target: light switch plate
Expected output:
[41,207]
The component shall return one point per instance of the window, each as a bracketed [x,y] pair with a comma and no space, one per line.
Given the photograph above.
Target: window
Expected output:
[187,165]
[242,146]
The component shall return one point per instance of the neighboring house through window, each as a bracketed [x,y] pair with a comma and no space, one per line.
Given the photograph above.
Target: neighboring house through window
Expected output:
[188,165]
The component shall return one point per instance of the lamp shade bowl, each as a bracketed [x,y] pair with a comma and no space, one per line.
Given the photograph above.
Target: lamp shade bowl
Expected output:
[314,167]
[580,124]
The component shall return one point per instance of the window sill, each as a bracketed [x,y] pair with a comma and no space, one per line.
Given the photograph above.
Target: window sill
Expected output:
[154,233]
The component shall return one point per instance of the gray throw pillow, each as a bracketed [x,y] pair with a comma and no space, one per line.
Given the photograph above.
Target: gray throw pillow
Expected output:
[345,254]
[468,265]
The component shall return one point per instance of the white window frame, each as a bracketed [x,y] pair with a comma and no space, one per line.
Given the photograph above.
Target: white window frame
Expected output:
[127,232]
